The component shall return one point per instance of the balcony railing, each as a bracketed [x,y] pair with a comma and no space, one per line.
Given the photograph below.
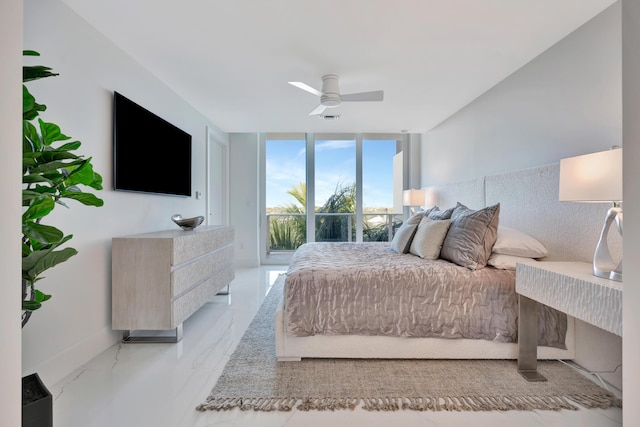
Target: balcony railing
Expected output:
[287,231]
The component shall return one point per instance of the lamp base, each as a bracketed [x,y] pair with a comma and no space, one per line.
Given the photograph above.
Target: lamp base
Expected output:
[603,265]
[615,276]
[605,274]
[611,275]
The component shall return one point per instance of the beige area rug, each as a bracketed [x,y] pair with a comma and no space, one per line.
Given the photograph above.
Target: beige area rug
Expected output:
[253,379]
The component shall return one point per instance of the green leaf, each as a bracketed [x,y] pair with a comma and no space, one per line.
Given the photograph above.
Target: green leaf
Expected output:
[32,155]
[44,191]
[28,196]
[38,209]
[30,134]
[70,146]
[84,174]
[35,72]
[30,108]
[51,132]
[30,305]
[55,165]
[41,296]
[27,164]
[33,178]
[42,233]
[56,154]
[56,176]
[46,260]
[30,53]
[87,199]
[31,259]
[28,100]
[97,181]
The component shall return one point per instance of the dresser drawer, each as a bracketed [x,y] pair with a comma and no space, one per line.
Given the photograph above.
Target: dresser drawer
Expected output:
[187,304]
[195,243]
[190,275]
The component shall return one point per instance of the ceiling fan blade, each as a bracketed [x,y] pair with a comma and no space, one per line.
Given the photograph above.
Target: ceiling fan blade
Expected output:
[376,95]
[306,87]
[319,110]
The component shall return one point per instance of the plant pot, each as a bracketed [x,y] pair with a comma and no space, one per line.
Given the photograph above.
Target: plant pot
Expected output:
[37,403]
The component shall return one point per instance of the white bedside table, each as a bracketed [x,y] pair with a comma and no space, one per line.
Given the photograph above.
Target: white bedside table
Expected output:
[569,287]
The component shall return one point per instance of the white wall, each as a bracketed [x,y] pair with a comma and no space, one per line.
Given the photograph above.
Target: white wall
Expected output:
[75,325]
[244,188]
[10,161]
[565,102]
[631,137]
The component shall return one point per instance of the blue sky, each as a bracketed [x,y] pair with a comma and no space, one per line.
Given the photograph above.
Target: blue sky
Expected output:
[335,165]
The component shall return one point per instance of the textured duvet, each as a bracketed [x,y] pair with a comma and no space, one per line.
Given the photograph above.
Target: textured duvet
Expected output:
[367,289]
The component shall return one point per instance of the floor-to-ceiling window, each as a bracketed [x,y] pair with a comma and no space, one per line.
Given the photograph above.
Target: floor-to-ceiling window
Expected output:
[335,188]
[381,188]
[330,188]
[285,192]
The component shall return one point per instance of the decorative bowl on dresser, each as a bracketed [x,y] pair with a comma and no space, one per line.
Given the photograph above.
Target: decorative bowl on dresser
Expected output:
[162,278]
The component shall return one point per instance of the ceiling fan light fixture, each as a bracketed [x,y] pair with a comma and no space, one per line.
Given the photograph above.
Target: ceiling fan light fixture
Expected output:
[330,96]
[330,100]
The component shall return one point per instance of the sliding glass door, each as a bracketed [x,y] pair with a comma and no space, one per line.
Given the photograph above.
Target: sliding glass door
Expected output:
[381,183]
[285,194]
[335,189]
[330,188]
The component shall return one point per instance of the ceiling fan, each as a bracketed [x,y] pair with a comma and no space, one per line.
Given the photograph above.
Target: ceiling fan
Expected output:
[330,95]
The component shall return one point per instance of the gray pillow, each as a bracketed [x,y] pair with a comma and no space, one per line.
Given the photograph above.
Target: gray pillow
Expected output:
[471,236]
[437,214]
[401,241]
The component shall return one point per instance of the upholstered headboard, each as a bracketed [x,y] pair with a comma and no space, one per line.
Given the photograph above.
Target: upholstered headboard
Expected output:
[529,202]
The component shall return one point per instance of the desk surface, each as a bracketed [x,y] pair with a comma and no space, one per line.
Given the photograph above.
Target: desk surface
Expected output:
[572,288]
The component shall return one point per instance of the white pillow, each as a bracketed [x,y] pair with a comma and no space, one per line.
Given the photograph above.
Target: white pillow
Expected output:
[506,262]
[402,239]
[429,236]
[516,243]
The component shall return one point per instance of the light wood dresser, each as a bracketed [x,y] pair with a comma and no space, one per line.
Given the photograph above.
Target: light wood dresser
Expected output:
[159,279]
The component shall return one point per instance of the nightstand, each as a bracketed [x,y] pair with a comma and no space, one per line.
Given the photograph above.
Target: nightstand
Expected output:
[569,287]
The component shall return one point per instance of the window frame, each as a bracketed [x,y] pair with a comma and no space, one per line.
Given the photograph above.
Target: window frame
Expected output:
[310,140]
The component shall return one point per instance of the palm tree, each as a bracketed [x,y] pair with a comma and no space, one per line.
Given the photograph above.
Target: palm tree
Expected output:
[335,228]
[289,232]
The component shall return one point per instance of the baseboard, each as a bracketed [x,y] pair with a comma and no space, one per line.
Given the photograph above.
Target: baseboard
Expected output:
[59,366]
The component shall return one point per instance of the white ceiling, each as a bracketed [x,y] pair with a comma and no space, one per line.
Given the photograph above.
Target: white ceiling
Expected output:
[232,59]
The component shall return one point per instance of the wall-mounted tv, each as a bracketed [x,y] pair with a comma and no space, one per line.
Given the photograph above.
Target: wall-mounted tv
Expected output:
[150,155]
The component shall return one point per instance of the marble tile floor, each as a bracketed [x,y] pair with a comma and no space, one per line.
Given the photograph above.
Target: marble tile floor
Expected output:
[159,385]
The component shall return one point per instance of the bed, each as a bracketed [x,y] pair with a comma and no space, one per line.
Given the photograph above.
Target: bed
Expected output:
[365,300]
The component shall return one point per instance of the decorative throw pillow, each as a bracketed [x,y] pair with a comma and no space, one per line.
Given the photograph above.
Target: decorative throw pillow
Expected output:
[506,262]
[471,236]
[428,238]
[516,243]
[401,241]
[437,214]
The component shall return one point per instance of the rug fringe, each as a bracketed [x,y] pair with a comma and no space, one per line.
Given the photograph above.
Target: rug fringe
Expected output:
[449,403]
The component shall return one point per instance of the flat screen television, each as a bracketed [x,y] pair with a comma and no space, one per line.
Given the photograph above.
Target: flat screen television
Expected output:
[150,155]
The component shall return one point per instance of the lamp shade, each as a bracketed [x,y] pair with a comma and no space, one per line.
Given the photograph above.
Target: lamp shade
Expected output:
[595,177]
[413,197]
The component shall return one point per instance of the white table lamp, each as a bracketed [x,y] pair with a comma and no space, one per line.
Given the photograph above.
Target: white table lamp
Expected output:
[413,198]
[597,178]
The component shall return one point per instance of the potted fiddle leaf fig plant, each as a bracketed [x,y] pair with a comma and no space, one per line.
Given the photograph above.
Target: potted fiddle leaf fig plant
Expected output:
[52,174]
